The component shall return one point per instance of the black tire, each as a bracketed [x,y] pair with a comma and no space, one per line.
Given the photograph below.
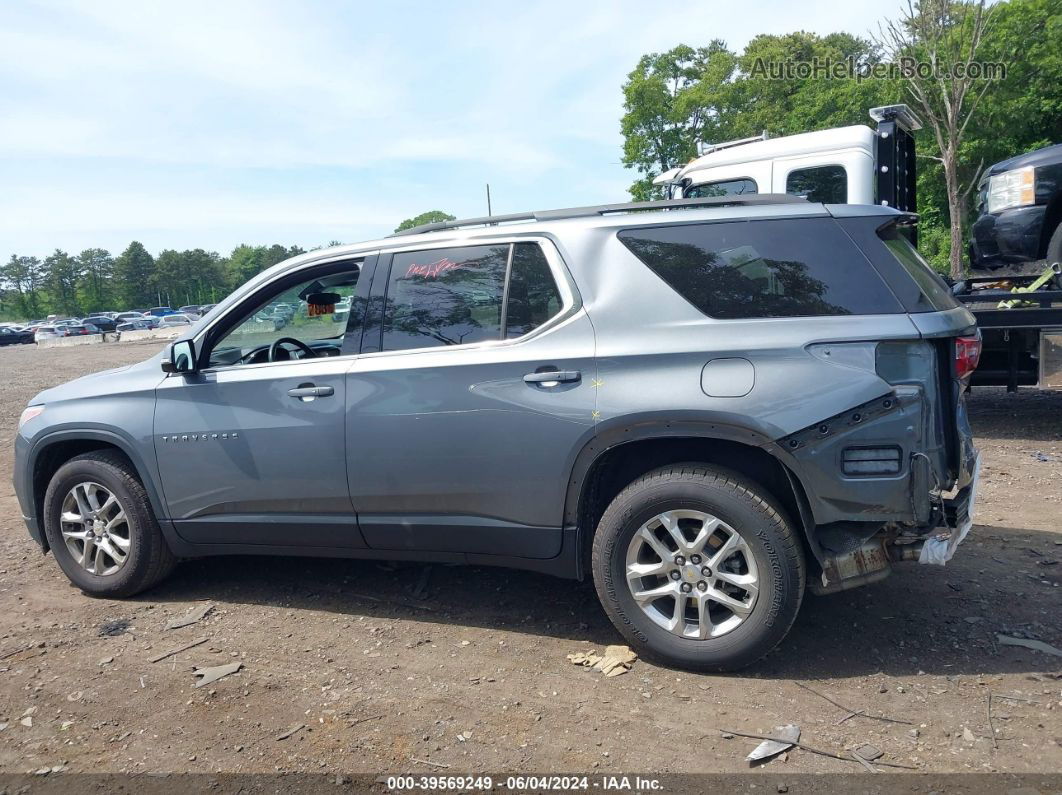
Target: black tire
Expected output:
[150,559]
[746,508]
[1054,252]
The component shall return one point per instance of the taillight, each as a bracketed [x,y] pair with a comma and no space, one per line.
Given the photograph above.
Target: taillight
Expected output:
[967,355]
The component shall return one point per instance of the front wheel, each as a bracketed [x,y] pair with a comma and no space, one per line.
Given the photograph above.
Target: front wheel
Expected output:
[697,568]
[101,529]
[1054,251]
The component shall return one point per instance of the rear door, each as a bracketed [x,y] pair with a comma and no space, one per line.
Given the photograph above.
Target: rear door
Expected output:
[475,388]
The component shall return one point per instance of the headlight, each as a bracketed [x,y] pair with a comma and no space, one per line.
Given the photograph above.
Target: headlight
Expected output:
[1012,189]
[28,414]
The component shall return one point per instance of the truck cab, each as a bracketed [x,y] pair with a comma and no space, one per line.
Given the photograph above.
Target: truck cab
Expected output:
[844,165]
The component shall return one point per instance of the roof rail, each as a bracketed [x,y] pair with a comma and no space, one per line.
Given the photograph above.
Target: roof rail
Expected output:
[704,148]
[606,209]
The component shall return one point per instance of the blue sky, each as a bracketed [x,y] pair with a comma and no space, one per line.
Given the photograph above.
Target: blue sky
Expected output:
[188,124]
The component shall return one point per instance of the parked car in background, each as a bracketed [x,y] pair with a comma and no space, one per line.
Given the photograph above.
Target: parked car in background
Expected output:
[171,321]
[102,322]
[135,325]
[15,335]
[49,332]
[342,311]
[206,308]
[271,316]
[161,311]
[81,330]
[193,311]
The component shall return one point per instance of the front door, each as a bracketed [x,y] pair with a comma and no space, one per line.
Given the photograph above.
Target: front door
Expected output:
[476,389]
[251,448]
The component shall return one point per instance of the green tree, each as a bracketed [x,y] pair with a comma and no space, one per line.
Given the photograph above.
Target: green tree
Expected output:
[1017,114]
[430,217]
[275,254]
[815,102]
[674,99]
[97,279]
[671,100]
[188,277]
[166,277]
[62,274]
[134,274]
[205,277]
[1023,111]
[947,34]
[24,277]
[243,263]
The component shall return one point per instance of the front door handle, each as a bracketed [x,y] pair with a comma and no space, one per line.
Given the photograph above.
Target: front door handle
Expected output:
[552,377]
[308,392]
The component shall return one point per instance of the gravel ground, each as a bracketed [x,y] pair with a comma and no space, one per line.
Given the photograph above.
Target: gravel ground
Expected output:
[473,676]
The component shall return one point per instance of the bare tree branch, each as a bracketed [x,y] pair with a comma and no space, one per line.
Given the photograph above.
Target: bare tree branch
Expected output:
[945,36]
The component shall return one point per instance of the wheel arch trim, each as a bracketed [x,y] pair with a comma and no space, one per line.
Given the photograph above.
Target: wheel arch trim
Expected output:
[620,434]
[109,438]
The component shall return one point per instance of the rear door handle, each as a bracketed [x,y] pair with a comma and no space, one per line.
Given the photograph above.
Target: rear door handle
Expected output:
[308,392]
[552,377]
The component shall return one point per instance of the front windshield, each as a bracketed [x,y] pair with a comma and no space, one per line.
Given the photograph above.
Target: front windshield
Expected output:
[314,312]
[726,187]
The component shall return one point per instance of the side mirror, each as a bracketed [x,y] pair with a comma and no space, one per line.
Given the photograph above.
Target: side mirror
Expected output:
[182,358]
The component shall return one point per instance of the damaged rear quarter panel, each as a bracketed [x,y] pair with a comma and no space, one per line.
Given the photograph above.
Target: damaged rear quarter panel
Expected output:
[651,357]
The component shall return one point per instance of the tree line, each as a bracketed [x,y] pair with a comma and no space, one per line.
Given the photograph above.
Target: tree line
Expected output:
[715,93]
[96,281]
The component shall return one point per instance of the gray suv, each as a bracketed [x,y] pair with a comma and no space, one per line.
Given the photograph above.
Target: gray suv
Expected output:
[706,405]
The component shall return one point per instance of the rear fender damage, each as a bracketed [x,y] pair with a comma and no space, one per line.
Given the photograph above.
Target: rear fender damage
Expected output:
[874,476]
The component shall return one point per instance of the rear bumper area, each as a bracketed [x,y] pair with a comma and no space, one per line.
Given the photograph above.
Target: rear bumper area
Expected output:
[939,548]
[872,560]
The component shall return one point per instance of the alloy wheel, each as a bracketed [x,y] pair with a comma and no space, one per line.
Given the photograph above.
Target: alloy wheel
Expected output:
[95,529]
[692,574]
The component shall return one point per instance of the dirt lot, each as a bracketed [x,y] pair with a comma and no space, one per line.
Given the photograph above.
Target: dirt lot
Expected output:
[473,676]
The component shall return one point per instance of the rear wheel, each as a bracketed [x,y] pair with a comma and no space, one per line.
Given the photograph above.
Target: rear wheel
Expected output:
[697,568]
[101,528]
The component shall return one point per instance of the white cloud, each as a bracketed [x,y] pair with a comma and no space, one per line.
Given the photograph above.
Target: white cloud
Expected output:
[416,104]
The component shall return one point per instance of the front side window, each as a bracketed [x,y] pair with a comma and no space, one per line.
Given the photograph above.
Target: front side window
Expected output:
[825,184]
[760,269]
[726,187]
[458,296]
[314,315]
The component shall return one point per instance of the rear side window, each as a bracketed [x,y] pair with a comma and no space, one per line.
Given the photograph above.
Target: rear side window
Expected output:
[533,295]
[935,294]
[760,269]
[826,184]
[727,187]
[468,294]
